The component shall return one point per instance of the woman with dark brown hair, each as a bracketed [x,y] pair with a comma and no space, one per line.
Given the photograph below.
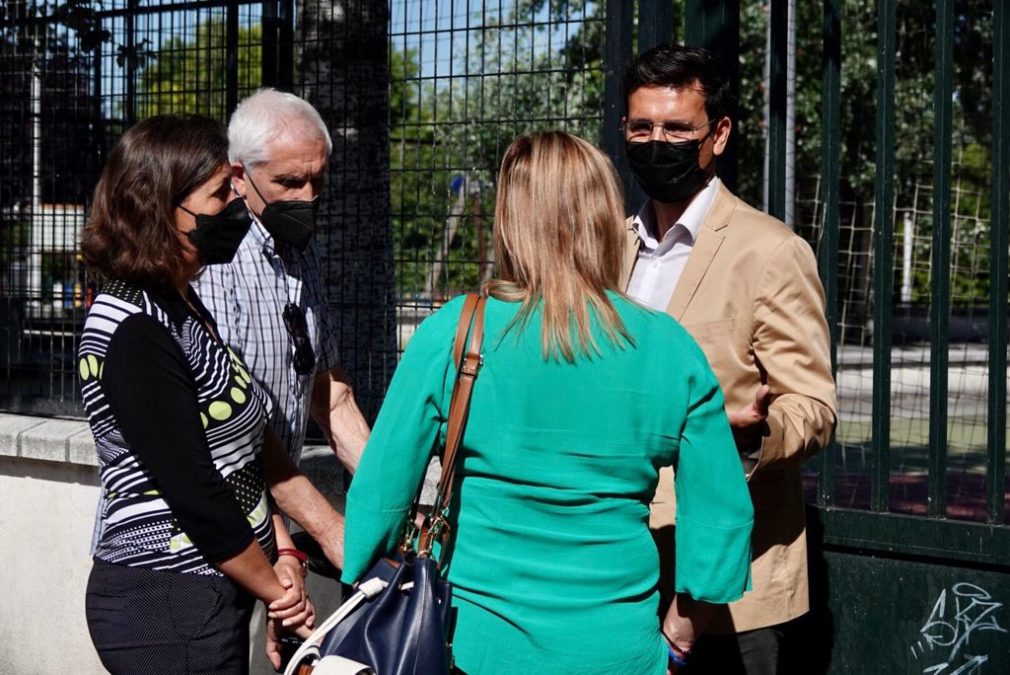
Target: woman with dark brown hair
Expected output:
[186,530]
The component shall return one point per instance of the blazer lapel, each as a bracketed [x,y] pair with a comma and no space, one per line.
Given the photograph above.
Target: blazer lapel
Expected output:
[631,245]
[707,245]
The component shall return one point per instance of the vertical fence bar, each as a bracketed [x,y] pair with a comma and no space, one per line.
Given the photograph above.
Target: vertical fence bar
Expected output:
[231,59]
[996,474]
[129,27]
[939,306]
[715,25]
[286,47]
[831,133]
[617,55]
[777,109]
[655,23]
[268,46]
[883,256]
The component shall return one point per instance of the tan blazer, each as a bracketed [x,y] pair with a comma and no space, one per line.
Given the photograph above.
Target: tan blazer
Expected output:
[750,295]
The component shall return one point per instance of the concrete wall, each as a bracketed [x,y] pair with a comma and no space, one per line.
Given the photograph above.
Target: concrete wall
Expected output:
[48,495]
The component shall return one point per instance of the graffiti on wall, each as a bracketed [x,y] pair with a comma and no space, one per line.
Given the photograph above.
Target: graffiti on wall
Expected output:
[960,612]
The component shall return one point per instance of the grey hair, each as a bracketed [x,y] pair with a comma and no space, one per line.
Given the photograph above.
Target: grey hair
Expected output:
[266,116]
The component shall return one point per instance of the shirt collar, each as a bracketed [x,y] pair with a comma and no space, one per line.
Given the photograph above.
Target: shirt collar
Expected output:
[265,242]
[691,220]
[261,237]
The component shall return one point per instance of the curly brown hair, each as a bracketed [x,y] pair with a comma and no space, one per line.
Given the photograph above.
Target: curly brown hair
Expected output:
[131,233]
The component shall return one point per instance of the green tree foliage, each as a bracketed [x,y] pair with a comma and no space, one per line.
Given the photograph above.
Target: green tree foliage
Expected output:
[522,72]
[189,75]
[914,128]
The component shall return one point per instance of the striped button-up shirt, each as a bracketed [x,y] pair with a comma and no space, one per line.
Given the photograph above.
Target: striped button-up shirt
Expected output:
[247,299]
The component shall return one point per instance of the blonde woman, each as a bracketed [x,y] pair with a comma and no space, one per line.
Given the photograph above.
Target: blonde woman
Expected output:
[583,396]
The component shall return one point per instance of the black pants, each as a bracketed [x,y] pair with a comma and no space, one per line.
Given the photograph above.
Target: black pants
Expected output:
[765,651]
[146,621]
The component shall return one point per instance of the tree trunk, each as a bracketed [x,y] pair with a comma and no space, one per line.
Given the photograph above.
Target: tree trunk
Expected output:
[342,68]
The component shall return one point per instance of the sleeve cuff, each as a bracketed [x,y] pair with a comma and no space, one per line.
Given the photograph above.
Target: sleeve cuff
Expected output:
[713,563]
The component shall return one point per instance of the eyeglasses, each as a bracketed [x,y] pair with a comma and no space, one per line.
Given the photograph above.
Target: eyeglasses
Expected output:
[294,322]
[640,131]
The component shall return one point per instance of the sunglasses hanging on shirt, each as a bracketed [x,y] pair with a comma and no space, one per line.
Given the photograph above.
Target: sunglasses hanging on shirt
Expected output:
[294,322]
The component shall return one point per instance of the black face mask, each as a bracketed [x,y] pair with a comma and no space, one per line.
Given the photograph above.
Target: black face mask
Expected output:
[667,172]
[217,237]
[292,222]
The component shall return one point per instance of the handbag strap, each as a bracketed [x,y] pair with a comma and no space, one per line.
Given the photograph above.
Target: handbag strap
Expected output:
[471,322]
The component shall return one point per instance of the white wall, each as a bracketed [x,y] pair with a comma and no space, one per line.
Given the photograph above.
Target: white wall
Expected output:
[46,514]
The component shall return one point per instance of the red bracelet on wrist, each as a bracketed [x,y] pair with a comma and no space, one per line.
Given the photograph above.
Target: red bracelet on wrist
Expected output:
[302,557]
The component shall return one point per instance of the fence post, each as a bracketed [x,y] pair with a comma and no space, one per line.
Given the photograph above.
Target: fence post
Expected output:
[715,25]
[996,474]
[883,256]
[830,162]
[617,56]
[777,97]
[939,305]
[655,23]
[231,56]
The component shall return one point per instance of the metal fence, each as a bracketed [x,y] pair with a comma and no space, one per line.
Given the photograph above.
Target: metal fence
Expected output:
[409,202]
[466,78]
[76,73]
[895,169]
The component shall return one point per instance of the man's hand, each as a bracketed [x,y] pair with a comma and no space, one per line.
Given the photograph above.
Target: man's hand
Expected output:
[683,623]
[272,645]
[747,423]
[295,608]
[272,642]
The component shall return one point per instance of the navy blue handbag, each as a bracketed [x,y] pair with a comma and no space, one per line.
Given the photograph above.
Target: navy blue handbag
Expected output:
[398,620]
[402,629]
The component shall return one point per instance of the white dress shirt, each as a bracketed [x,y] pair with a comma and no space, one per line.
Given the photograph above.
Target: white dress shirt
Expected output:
[660,263]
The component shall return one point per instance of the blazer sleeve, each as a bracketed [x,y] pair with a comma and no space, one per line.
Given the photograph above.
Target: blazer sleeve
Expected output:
[792,347]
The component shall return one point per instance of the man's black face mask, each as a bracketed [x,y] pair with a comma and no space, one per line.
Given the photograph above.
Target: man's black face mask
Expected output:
[292,222]
[668,172]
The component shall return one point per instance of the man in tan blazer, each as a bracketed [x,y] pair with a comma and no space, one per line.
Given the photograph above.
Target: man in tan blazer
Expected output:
[746,287]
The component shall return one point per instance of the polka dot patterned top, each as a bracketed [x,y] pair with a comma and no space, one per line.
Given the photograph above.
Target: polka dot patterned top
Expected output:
[178,424]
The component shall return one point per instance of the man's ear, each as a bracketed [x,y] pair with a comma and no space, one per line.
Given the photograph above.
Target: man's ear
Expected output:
[238,179]
[721,135]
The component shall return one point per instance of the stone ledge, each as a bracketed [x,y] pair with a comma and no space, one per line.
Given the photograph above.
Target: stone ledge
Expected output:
[50,441]
[70,442]
[47,439]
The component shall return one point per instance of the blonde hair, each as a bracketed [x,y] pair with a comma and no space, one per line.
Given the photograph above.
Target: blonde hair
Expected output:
[558,241]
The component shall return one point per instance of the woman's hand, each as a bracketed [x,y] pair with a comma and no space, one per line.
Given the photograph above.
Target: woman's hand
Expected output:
[294,608]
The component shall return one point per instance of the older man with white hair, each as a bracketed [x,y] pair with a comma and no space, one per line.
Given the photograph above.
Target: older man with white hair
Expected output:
[270,302]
